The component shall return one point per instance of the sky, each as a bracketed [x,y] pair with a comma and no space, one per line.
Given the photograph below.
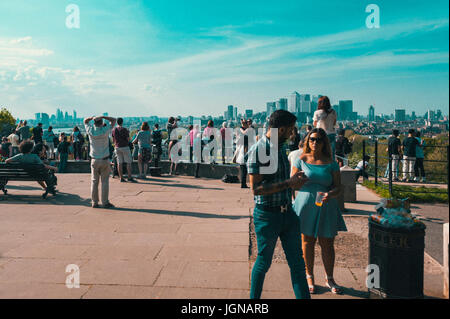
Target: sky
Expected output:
[168,58]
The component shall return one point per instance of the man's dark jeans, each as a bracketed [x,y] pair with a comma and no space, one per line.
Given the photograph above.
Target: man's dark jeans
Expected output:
[268,227]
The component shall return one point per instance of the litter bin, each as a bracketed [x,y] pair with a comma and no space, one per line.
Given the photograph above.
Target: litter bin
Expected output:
[399,255]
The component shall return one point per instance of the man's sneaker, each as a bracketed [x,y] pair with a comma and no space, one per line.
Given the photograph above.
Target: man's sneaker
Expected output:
[122,180]
[94,205]
[109,205]
[132,180]
[424,180]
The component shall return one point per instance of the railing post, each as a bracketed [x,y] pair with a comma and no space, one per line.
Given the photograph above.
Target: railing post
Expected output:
[390,174]
[448,172]
[363,156]
[376,162]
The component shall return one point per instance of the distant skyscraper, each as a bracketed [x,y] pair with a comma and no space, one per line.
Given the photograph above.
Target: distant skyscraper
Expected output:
[74,114]
[230,112]
[45,119]
[371,113]
[430,115]
[345,110]
[248,114]
[305,103]
[400,115]
[104,114]
[413,116]
[270,108]
[59,115]
[66,116]
[282,104]
[294,103]
[37,117]
[235,116]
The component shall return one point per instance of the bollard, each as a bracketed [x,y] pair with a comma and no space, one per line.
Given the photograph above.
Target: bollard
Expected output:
[446,260]
[348,183]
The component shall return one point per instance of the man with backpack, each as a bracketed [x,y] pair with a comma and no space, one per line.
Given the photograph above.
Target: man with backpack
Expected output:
[121,138]
[343,147]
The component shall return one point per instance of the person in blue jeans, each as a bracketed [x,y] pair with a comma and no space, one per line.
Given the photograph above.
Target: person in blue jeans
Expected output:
[273,216]
[63,153]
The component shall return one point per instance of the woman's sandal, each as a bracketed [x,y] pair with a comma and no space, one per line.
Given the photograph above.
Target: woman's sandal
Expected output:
[312,288]
[335,289]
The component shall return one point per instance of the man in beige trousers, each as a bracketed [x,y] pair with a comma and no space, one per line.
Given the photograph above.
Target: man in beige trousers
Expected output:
[98,134]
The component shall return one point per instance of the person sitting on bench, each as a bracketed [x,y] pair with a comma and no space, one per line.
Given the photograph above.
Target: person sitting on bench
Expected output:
[26,157]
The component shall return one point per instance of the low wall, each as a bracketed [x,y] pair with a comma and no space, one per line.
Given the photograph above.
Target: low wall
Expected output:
[187,169]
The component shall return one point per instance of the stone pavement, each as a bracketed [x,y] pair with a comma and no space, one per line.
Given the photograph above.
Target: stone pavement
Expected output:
[169,237]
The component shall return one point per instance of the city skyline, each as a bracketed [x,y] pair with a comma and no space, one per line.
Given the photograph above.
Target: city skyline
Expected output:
[163,59]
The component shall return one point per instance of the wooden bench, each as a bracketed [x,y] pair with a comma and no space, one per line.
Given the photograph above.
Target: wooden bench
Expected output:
[27,172]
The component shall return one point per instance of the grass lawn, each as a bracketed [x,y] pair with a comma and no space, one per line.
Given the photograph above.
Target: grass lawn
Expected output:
[415,194]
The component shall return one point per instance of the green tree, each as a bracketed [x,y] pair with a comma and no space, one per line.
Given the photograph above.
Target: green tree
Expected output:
[7,122]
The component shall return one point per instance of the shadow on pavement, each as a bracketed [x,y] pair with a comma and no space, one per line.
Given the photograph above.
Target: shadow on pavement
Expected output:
[357,212]
[24,188]
[58,199]
[180,213]
[345,292]
[186,186]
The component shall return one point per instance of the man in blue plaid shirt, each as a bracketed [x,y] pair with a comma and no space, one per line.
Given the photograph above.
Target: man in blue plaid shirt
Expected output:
[273,216]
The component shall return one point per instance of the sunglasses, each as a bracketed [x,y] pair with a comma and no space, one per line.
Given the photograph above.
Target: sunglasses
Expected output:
[315,139]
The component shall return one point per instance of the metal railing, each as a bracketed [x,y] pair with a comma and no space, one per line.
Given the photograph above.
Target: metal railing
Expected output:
[389,182]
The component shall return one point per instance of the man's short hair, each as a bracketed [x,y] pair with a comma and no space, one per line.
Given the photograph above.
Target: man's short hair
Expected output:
[156,125]
[411,131]
[395,133]
[25,147]
[341,132]
[309,128]
[120,121]
[281,118]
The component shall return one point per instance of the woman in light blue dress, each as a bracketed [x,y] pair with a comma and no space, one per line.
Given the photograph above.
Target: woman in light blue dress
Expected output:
[324,221]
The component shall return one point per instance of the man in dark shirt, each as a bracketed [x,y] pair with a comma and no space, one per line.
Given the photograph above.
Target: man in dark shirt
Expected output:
[394,149]
[121,138]
[343,146]
[156,143]
[409,155]
[37,134]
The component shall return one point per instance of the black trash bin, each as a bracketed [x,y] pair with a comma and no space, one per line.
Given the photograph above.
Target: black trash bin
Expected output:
[399,254]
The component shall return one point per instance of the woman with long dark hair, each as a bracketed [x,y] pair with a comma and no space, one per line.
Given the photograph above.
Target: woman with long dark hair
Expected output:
[317,206]
[325,118]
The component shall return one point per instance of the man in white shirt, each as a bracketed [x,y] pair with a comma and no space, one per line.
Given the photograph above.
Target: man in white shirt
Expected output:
[14,140]
[100,168]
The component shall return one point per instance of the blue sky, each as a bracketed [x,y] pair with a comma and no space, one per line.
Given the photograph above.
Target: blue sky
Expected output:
[141,58]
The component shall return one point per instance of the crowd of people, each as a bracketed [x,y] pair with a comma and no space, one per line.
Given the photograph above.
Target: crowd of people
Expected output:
[296,202]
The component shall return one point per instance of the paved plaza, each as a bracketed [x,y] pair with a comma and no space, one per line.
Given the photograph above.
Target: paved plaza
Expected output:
[168,237]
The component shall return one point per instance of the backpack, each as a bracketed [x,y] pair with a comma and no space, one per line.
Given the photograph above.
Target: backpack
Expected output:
[348,147]
[230,179]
